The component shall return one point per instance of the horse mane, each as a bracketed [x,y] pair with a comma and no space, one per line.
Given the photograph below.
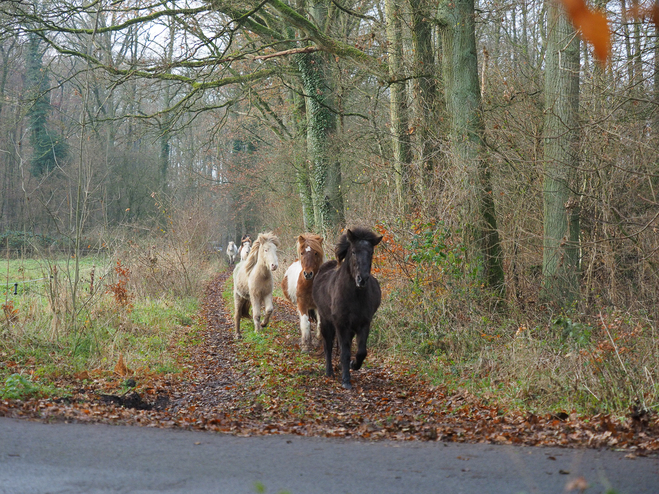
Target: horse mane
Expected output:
[311,240]
[253,256]
[358,233]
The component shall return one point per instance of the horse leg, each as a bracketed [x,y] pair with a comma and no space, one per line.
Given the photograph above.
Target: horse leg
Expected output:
[256,315]
[362,336]
[328,336]
[269,307]
[238,304]
[305,329]
[345,362]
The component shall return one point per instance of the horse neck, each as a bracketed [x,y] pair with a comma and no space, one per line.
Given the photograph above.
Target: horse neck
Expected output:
[344,267]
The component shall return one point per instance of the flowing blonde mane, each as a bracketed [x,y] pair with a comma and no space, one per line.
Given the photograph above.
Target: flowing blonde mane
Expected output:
[310,240]
[253,256]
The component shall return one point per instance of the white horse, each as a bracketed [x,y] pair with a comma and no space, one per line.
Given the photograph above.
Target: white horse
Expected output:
[252,282]
[232,252]
[245,246]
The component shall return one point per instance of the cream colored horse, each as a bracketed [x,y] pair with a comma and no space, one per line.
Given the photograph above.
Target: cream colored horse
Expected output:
[252,282]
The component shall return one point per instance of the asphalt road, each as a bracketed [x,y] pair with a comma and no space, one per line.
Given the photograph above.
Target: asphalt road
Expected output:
[85,458]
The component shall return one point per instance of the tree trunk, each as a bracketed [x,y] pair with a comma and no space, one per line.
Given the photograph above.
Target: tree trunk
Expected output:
[464,105]
[560,264]
[321,128]
[166,122]
[400,134]
[428,105]
[301,163]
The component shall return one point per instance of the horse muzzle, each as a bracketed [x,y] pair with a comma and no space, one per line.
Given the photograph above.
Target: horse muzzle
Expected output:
[308,274]
[273,267]
[360,281]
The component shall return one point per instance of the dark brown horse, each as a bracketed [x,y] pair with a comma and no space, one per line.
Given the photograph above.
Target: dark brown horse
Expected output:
[346,297]
[298,281]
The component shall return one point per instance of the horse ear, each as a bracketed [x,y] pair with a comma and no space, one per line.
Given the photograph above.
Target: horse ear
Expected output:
[350,235]
[377,240]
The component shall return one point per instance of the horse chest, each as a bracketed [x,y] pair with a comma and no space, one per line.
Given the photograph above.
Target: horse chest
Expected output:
[261,280]
[355,307]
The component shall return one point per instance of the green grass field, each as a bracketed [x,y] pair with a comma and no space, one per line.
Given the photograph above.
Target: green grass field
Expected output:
[32,275]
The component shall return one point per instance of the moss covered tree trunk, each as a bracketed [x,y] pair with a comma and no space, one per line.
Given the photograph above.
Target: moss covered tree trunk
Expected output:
[468,129]
[400,135]
[560,263]
[301,163]
[429,107]
[325,168]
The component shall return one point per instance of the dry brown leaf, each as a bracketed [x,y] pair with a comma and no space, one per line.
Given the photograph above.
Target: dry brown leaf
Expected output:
[121,368]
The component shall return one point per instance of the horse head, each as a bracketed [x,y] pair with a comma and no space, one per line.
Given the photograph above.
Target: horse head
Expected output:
[356,246]
[265,248]
[310,251]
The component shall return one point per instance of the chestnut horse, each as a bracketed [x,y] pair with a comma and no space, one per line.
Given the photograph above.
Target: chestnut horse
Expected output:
[346,297]
[252,282]
[298,281]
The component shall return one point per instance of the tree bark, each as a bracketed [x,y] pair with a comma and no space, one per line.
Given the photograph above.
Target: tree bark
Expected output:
[325,168]
[468,129]
[400,135]
[560,265]
[429,108]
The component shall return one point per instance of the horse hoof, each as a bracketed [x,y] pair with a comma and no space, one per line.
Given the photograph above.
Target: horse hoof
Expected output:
[347,386]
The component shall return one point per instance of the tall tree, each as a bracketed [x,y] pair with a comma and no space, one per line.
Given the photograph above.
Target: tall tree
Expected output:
[560,263]
[47,146]
[400,134]
[429,107]
[325,167]
[457,22]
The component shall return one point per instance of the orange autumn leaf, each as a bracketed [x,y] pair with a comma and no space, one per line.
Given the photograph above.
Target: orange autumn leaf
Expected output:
[593,25]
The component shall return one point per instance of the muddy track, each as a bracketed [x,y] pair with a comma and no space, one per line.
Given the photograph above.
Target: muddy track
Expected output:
[221,391]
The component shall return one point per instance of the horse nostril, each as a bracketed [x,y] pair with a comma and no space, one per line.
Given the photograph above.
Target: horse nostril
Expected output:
[273,267]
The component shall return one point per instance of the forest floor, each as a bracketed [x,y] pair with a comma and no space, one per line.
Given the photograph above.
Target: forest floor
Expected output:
[227,389]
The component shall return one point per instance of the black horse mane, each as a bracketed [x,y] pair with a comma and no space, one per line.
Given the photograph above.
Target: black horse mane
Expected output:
[358,233]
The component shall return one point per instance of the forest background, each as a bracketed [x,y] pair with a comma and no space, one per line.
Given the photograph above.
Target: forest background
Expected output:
[512,175]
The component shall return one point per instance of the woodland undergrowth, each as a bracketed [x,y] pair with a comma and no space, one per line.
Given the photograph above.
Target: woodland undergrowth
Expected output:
[516,352]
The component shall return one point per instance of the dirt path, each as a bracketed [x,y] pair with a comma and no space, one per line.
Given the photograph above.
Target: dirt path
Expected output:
[226,389]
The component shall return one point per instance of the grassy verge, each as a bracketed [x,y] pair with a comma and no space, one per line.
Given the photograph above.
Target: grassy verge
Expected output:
[114,324]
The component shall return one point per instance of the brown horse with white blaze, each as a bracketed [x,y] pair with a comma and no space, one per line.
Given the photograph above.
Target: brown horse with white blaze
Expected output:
[298,282]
